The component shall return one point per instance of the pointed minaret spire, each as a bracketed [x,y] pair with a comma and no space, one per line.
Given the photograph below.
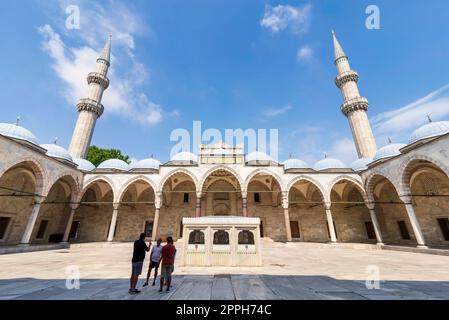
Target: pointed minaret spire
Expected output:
[338,50]
[90,109]
[106,53]
[354,106]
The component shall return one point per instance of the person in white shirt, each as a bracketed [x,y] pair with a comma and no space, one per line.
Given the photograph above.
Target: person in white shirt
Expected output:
[155,261]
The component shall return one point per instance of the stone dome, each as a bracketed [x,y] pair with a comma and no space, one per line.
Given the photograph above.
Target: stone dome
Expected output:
[258,156]
[390,150]
[55,151]
[361,164]
[329,163]
[17,132]
[295,164]
[145,164]
[114,164]
[184,156]
[84,165]
[430,130]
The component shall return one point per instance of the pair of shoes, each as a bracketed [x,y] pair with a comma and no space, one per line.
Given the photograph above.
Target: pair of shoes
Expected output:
[146,284]
[168,290]
[133,291]
[154,283]
[160,290]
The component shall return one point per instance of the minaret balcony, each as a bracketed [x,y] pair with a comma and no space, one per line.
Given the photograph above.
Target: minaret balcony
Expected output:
[354,104]
[90,106]
[95,77]
[346,77]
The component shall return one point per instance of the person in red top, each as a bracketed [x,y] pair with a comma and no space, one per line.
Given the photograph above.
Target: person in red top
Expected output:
[168,263]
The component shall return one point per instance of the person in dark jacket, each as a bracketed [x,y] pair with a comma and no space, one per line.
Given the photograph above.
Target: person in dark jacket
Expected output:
[140,249]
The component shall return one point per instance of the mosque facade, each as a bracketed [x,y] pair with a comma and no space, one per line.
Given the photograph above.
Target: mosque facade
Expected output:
[397,194]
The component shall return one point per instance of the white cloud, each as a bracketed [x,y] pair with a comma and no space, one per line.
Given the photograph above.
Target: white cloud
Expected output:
[304,54]
[310,143]
[344,150]
[286,17]
[72,64]
[400,122]
[273,112]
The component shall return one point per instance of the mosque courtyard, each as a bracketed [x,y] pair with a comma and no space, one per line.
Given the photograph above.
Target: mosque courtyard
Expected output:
[303,271]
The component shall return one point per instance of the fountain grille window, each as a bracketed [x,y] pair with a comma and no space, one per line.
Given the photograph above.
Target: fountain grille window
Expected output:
[246,237]
[196,237]
[221,237]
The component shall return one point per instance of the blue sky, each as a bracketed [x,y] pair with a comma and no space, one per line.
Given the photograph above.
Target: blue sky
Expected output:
[231,64]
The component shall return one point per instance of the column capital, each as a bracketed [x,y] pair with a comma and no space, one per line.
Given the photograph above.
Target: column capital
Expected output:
[327,205]
[39,199]
[199,194]
[116,206]
[285,203]
[74,206]
[370,205]
[244,194]
[406,199]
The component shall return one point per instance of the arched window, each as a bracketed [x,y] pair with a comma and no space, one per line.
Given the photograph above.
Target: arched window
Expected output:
[246,237]
[221,237]
[196,237]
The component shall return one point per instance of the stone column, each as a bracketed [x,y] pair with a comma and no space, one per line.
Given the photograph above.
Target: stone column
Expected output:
[113,222]
[285,206]
[244,204]
[414,221]
[375,222]
[157,204]
[68,227]
[31,221]
[209,204]
[330,222]
[198,205]
[233,241]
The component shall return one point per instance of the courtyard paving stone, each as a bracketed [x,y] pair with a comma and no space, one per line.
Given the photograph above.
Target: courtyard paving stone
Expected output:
[290,271]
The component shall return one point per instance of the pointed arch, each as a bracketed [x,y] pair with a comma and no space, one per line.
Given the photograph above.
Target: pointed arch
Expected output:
[263,171]
[94,180]
[174,172]
[217,168]
[406,169]
[312,181]
[36,167]
[74,182]
[131,181]
[370,183]
[351,180]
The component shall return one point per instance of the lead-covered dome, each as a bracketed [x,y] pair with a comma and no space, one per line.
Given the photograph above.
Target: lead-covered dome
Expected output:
[145,164]
[258,156]
[390,150]
[84,165]
[17,132]
[55,151]
[430,130]
[329,163]
[361,164]
[295,164]
[114,164]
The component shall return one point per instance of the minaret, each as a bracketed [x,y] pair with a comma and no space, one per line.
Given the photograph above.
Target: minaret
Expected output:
[354,106]
[90,109]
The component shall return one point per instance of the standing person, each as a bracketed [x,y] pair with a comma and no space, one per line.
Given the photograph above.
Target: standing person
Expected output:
[140,249]
[168,263]
[155,261]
